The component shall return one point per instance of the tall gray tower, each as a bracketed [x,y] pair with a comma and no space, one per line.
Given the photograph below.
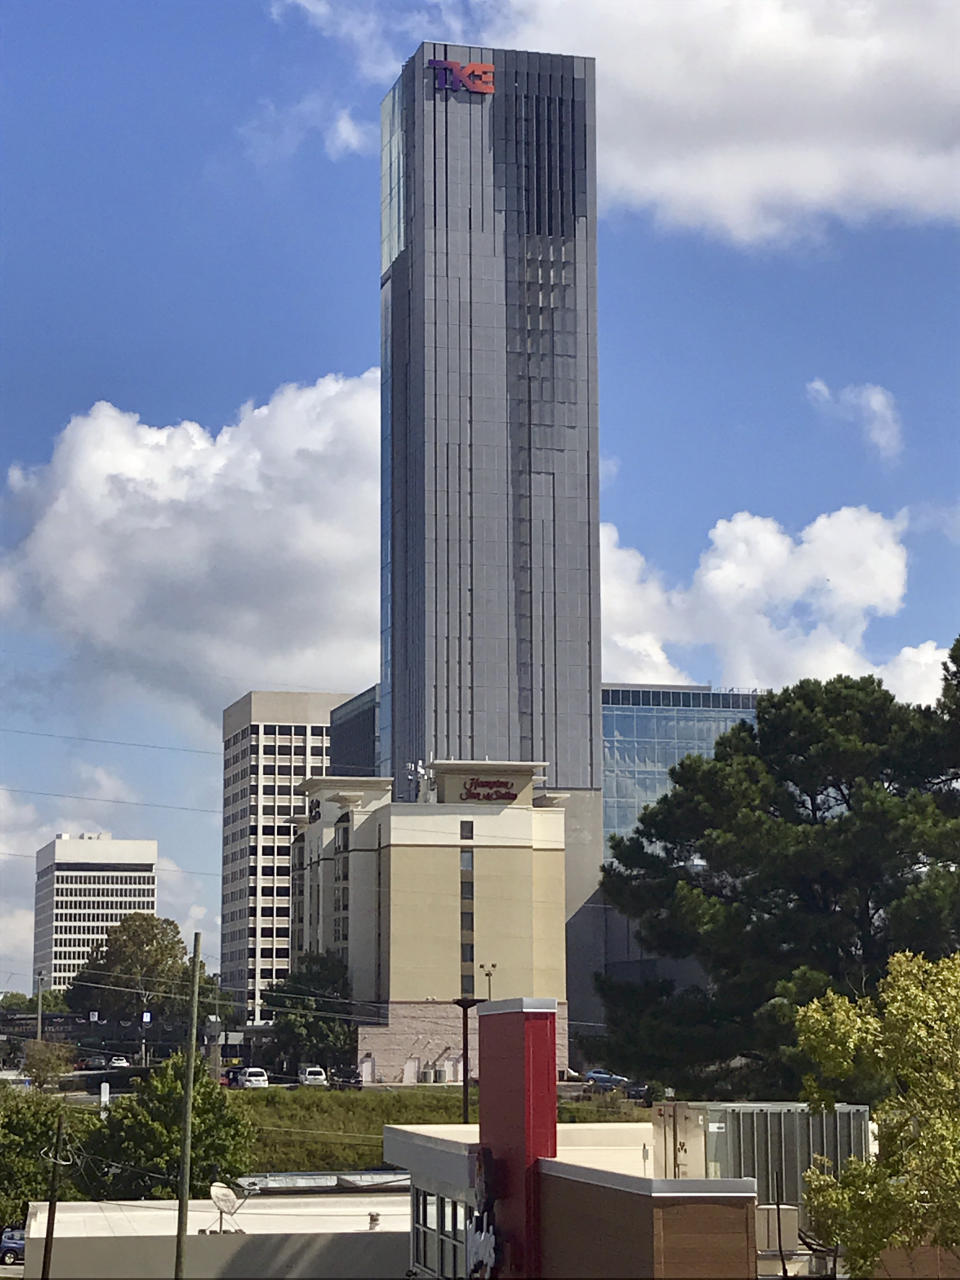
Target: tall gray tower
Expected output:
[490,564]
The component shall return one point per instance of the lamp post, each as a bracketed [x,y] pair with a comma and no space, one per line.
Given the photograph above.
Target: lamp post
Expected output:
[487,971]
[466,1003]
[40,977]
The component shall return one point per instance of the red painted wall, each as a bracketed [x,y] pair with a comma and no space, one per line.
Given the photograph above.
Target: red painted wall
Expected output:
[518,1122]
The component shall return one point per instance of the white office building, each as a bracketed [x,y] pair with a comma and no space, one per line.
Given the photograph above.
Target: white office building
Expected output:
[86,884]
[271,743]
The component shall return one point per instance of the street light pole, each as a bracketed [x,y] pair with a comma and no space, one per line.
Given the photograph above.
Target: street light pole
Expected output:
[487,971]
[40,976]
[466,1003]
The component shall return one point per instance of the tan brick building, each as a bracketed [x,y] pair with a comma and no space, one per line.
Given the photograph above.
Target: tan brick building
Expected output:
[459,894]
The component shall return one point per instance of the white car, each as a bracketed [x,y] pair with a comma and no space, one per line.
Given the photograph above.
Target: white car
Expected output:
[252,1078]
[312,1075]
[118,1060]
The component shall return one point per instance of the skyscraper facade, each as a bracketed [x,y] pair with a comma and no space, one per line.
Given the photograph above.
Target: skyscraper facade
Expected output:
[86,884]
[271,743]
[490,546]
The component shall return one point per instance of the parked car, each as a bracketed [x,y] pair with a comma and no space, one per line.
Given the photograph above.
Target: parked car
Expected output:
[346,1078]
[639,1091]
[12,1246]
[96,1062]
[231,1077]
[602,1081]
[312,1075]
[252,1078]
[118,1060]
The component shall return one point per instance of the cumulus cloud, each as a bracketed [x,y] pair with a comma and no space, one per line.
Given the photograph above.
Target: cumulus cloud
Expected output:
[774,608]
[870,407]
[276,133]
[23,830]
[756,120]
[346,136]
[198,565]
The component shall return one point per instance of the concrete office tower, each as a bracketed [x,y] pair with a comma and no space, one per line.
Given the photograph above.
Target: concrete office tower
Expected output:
[271,742]
[491,617]
[86,884]
[490,607]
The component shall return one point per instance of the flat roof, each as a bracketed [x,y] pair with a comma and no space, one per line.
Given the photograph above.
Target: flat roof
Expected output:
[620,1155]
[274,1215]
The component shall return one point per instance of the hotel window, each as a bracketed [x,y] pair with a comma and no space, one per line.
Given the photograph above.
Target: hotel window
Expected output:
[466,830]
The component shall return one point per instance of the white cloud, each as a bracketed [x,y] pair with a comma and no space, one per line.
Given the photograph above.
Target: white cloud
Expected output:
[609,469]
[773,607]
[197,565]
[276,133]
[347,136]
[753,119]
[871,407]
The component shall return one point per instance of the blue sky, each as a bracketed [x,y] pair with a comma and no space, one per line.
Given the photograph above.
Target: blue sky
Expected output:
[190,224]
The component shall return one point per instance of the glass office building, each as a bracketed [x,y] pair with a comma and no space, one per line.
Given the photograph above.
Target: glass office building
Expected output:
[490,536]
[648,728]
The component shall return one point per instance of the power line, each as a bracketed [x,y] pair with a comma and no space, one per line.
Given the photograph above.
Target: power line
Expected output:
[137,804]
[178,871]
[110,742]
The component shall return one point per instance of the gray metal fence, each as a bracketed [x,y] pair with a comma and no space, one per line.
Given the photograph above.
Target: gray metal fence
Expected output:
[763,1139]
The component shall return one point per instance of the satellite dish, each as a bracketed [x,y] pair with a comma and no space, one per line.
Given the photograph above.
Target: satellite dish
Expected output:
[224,1199]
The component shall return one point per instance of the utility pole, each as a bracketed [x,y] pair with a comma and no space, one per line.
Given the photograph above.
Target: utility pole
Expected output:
[466,1003]
[52,1202]
[184,1197]
[39,1005]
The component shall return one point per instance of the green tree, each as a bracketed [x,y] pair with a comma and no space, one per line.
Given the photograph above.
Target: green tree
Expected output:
[18,1002]
[28,1125]
[135,1153]
[45,1061]
[313,1013]
[908,1039]
[806,852]
[141,966]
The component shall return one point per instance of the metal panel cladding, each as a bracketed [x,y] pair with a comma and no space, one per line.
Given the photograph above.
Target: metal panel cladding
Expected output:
[491,613]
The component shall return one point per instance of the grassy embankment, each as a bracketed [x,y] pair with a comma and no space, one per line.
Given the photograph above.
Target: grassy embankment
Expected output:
[309,1130]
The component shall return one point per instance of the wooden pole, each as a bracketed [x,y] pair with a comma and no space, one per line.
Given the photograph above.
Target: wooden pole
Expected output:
[186,1135]
[52,1202]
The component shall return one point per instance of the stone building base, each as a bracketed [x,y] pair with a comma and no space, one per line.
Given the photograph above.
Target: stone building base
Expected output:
[421,1043]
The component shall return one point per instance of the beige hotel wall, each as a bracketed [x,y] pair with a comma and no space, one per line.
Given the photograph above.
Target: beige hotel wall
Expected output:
[518,909]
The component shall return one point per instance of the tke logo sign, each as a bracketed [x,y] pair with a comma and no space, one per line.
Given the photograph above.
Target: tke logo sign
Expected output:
[476,77]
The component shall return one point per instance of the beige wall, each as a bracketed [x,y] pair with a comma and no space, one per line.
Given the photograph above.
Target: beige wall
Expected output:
[480,783]
[237,1257]
[294,708]
[430,1034]
[424,954]
[405,893]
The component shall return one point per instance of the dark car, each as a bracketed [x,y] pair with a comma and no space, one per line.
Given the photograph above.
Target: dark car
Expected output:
[96,1062]
[12,1247]
[345,1078]
[639,1091]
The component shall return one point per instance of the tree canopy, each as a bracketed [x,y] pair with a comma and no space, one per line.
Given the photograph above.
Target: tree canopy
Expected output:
[28,1125]
[908,1039]
[313,1014]
[141,966]
[135,1152]
[807,851]
[19,1002]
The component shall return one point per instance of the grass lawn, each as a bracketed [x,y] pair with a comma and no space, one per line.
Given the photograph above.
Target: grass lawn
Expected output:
[310,1130]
